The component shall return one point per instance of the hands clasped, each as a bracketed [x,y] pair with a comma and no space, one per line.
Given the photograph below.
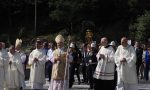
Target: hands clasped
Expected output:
[102,56]
[36,60]
[123,61]
[10,62]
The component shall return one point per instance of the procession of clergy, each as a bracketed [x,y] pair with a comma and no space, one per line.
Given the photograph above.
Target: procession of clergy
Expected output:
[109,59]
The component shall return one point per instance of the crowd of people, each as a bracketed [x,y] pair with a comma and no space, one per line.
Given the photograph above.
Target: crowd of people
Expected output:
[107,66]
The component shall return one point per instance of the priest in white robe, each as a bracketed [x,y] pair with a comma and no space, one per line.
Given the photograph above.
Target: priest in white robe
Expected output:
[22,55]
[15,70]
[37,59]
[125,59]
[21,52]
[60,70]
[104,73]
[4,60]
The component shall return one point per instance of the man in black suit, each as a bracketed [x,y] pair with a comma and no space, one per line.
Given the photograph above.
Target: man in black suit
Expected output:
[74,65]
[92,63]
[139,52]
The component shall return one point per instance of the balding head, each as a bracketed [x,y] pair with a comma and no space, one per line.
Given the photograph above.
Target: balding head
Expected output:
[12,49]
[104,41]
[3,45]
[124,41]
[137,44]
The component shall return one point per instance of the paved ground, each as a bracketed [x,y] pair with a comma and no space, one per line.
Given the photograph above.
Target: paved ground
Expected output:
[143,85]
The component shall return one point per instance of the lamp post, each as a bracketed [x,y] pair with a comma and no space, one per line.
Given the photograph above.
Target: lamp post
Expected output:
[35,12]
[89,35]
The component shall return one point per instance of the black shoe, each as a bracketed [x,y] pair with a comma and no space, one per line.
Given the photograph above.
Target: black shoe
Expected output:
[79,83]
[91,87]
[70,85]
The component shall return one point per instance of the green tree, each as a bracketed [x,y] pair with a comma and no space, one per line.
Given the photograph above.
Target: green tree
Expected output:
[71,13]
[140,29]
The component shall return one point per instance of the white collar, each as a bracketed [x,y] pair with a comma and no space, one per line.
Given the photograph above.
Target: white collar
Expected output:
[126,47]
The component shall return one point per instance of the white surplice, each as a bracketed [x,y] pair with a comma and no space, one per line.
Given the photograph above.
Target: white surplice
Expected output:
[127,77]
[23,58]
[15,72]
[105,67]
[37,73]
[4,58]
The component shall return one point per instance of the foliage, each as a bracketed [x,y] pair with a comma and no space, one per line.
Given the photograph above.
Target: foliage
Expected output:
[71,16]
[140,29]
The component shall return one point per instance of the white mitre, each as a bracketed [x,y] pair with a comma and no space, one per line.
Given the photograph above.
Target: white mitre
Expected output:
[72,45]
[93,45]
[18,42]
[59,38]
[113,43]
